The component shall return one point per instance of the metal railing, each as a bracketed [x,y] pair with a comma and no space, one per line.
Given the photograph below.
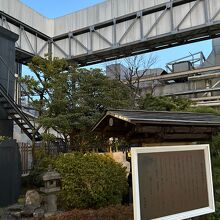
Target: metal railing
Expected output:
[12,76]
[196,59]
[22,117]
[7,94]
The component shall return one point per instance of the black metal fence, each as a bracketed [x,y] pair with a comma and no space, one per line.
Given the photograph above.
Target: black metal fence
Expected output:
[26,157]
[55,147]
[50,148]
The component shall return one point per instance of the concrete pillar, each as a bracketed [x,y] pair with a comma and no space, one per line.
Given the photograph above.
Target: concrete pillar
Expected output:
[7,72]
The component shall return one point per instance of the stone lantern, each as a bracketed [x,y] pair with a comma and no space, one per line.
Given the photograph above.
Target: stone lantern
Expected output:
[51,179]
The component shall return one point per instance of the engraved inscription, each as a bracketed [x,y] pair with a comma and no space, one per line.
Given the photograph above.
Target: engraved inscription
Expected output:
[171,182]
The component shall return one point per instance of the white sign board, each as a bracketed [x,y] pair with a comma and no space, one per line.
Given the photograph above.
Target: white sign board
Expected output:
[172,183]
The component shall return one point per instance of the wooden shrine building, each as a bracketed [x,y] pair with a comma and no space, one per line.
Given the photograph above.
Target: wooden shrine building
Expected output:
[161,128]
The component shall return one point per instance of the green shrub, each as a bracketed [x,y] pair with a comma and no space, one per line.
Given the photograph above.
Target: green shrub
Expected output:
[205,109]
[216,182]
[161,103]
[4,138]
[215,152]
[90,181]
[42,163]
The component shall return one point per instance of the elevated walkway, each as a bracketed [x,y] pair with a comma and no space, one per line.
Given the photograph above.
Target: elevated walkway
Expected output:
[112,29]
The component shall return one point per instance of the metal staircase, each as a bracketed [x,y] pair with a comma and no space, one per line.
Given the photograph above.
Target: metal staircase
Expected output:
[16,114]
[13,110]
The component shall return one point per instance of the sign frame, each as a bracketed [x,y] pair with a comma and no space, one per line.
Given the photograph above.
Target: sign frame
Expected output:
[160,149]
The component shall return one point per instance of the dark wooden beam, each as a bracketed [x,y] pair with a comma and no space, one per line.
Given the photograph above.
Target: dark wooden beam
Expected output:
[175,129]
[187,136]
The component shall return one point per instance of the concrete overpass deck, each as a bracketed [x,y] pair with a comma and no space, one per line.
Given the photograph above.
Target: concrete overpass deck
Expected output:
[112,29]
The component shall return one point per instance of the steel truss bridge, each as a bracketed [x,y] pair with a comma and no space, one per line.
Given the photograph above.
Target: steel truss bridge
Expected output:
[111,30]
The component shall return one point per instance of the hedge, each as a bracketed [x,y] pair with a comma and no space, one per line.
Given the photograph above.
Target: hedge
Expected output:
[88,180]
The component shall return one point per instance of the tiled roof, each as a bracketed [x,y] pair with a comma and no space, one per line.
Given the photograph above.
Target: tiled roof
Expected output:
[169,118]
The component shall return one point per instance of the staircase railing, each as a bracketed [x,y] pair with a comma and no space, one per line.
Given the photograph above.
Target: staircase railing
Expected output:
[5,92]
[12,75]
[18,111]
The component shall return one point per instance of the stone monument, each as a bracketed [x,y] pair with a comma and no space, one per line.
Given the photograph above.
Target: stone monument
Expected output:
[51,180]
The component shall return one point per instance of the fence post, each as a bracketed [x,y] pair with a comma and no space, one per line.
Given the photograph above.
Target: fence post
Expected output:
[24,157]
